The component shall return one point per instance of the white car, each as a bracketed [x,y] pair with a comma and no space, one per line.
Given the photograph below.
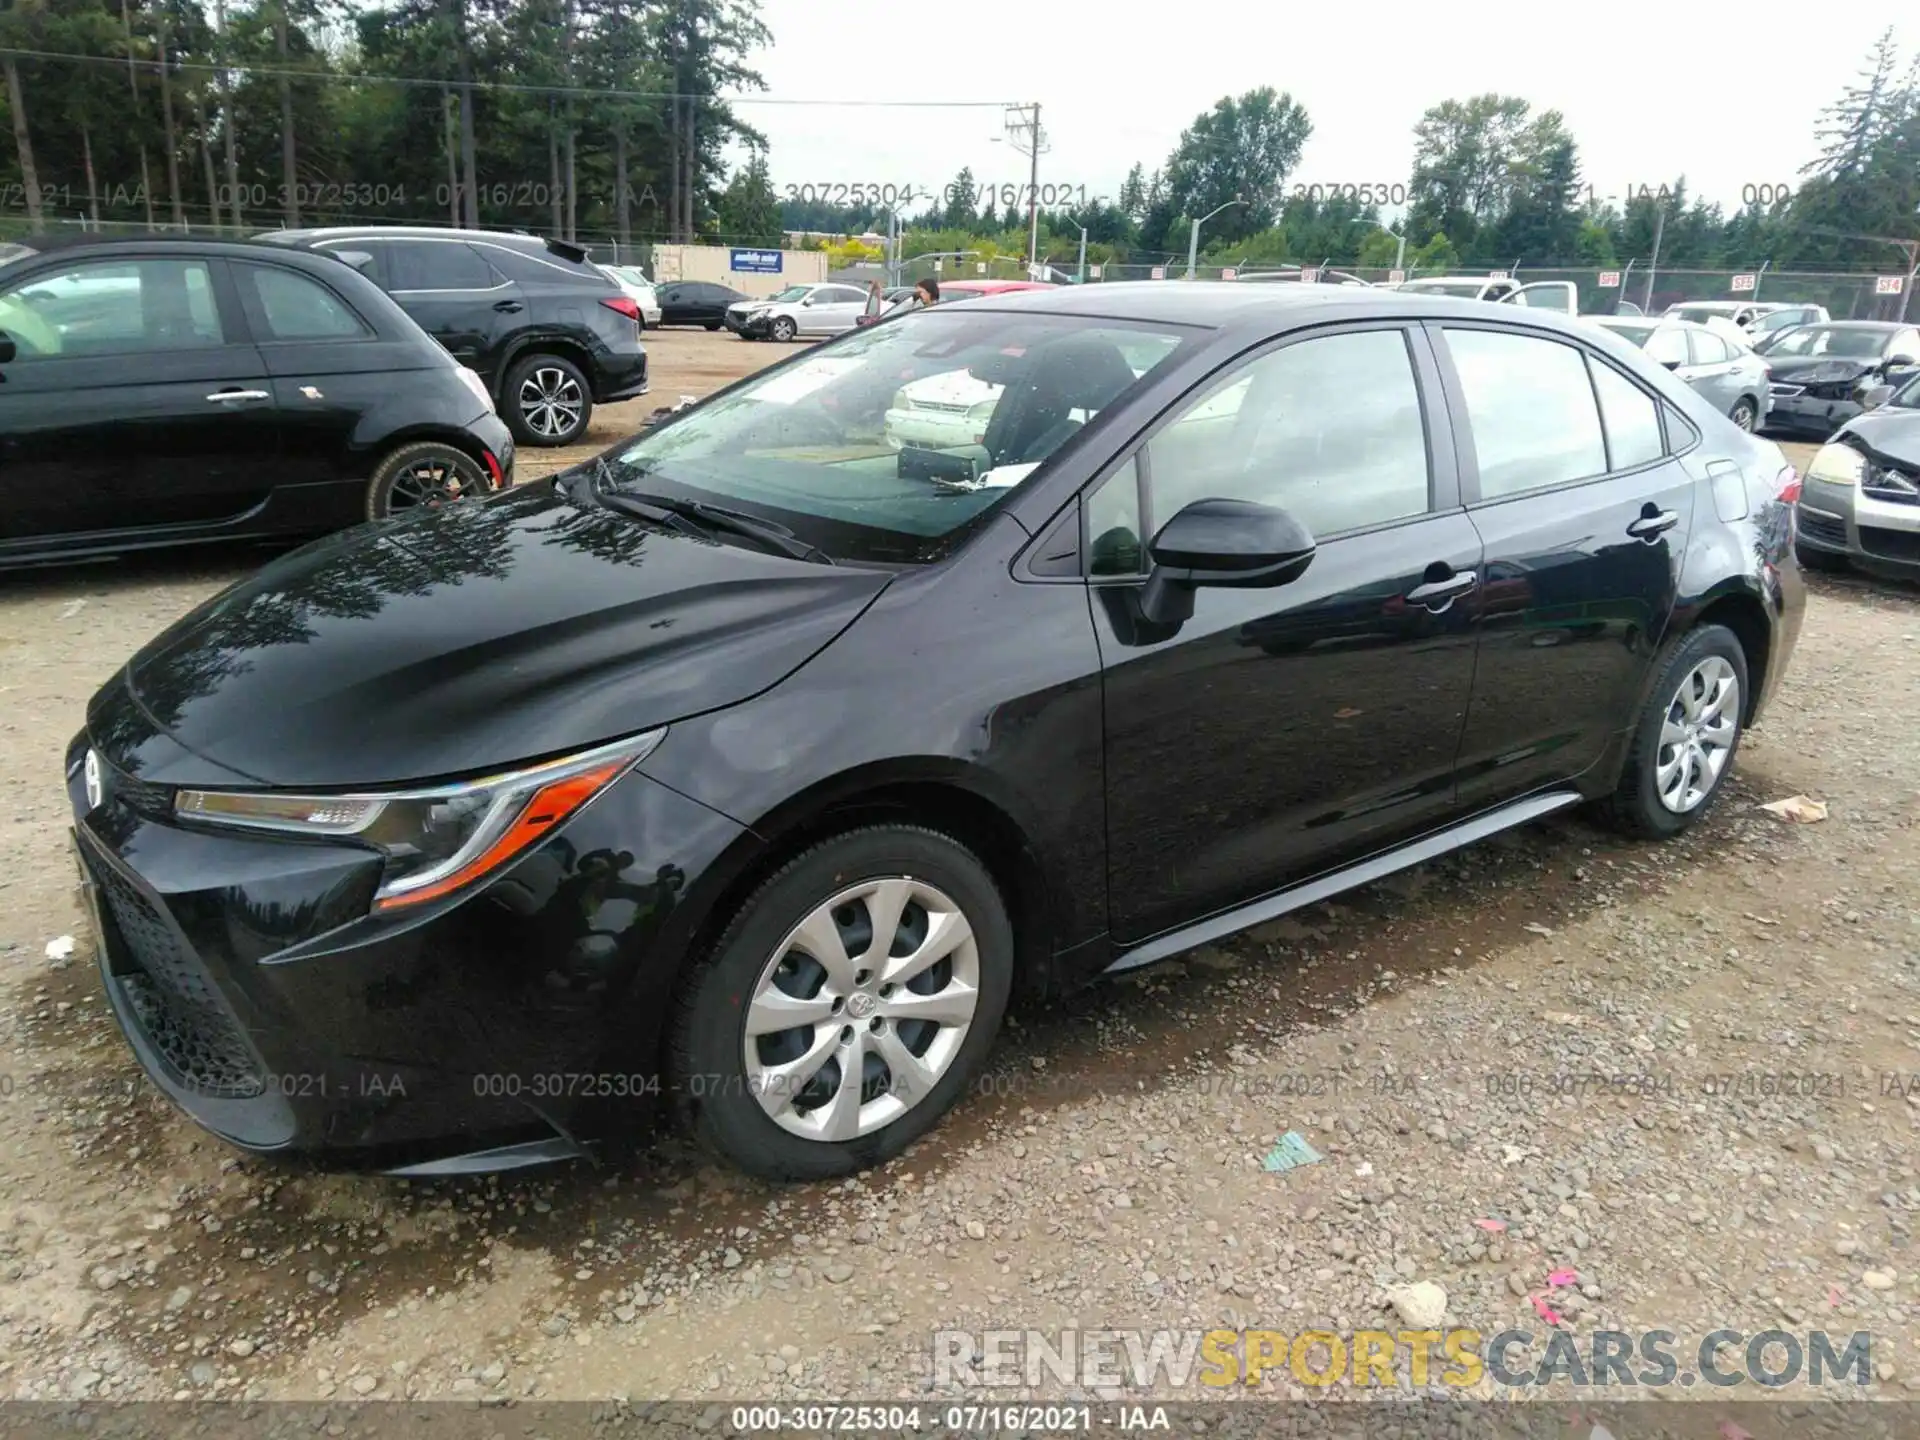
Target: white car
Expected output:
[1755,321]
[820,309]
[1560,295]
[633,280]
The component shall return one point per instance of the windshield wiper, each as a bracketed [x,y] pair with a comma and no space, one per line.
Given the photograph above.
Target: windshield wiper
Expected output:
[664,509]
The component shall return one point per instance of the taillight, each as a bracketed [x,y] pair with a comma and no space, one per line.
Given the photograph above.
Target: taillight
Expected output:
[626,305]
[1788,486]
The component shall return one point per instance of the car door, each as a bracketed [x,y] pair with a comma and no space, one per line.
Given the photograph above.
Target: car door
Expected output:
[327,365]
[1560,296]
[1711,369]
[146,410]
[1278,731]
[1566,473]
[456,295]
[834,308]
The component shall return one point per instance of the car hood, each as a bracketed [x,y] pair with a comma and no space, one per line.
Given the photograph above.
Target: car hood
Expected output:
[1817,369]
[466,639]
[1888,436]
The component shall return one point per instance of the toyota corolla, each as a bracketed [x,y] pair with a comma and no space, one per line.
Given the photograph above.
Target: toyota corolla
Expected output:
[757,764]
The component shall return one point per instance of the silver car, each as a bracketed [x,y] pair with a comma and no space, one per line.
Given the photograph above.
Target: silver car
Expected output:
[1732,377]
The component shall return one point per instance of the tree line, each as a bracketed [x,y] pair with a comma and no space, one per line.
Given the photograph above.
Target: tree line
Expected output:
[607,118]
[570,116]
[1493,184]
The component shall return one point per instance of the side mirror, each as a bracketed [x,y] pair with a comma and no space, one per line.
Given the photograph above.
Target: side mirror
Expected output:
[807,301]
[1234,544]
[1875,397]
[6,348]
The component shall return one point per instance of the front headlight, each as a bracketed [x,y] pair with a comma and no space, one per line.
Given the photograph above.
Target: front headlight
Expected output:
[1837,465]
[473,382]
[440,838]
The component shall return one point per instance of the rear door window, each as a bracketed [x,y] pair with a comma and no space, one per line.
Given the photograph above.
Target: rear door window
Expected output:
[416,265]
[1531,404]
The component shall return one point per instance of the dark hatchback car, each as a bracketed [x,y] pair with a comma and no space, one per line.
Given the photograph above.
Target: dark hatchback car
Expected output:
[548,330]
[759,763]
[696,302]
[1860,504]
[167,390]
[1822,374]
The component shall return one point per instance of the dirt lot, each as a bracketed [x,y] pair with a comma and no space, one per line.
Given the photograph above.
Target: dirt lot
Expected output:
[1678,1071]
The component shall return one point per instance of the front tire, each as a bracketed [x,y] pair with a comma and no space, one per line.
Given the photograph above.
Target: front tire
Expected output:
[546,401]
[425,473]
[784,329]
[846,1006]
[1684,745]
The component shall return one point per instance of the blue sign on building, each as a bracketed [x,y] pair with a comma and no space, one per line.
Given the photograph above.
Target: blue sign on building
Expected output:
[756,262]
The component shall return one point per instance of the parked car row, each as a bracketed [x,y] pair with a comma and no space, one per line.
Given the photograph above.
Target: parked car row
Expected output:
[1301,585]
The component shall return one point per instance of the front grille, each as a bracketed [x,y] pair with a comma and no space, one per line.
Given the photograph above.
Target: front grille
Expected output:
[1826,529]
[181,1013]
[1834,390]
[1903,545]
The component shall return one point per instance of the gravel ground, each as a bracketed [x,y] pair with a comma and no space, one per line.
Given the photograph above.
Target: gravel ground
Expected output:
[1434,1037]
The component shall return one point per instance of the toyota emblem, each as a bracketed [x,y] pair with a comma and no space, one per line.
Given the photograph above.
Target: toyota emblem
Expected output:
[96,789]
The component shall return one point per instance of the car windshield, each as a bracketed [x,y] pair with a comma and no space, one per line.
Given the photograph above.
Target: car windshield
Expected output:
[1778,320]
[819,444]
[1698,314]
[1829,340]
[790,294]
[1907,397]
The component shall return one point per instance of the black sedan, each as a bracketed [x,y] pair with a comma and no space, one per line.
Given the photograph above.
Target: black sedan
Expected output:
[1822,374]
[167,390]
[759,763]
[696,302]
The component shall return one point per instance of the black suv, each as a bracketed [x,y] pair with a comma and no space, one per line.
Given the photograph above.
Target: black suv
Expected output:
[172,389]
[551,334]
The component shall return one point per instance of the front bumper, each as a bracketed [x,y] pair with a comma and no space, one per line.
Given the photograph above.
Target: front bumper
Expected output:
[513,1024]
[1881,537]
[1809,414]
[932,429]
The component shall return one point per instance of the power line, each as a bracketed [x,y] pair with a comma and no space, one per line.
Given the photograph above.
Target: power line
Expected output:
[574,91]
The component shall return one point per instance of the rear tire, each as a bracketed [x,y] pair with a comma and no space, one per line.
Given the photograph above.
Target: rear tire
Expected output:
[713,324]
[803,948]
[1745,414]
[1684,745]
[546,401]
[425,473]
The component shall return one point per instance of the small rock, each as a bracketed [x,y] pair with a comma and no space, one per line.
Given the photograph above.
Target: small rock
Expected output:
[1423,1304]
[1848,1246]
[730,1260]
[240,1349]
[554,1326]
[976,1230]
[202,1373]
[838,1274]
[364,1384]
[1877,1279]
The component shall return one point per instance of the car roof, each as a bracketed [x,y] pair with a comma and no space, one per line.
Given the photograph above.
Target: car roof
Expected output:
[55,244]
[1859,325]
[1228,305]
[513,239]
[997,287]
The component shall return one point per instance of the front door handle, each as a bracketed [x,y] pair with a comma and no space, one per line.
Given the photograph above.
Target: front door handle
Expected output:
[508,307]
[1443,591]
[220,395]
[1652,527]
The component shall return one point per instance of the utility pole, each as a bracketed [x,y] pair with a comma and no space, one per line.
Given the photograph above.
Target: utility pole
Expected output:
[1081,279]
[1026,136]
[1653,265]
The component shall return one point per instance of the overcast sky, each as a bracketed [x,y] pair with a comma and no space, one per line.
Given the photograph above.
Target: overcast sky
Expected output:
[1729,101]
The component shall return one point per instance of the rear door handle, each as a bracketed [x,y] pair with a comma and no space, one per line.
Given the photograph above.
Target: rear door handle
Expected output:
[1652,527]
[1454,585]
[507,307]
[220,395]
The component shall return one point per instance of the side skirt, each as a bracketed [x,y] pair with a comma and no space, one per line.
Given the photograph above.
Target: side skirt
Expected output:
[1362,872]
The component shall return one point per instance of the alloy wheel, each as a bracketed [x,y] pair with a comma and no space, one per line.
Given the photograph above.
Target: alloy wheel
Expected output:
[431,480]
[1697,735]
[550,401]
[1743,415]
[862,1009]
